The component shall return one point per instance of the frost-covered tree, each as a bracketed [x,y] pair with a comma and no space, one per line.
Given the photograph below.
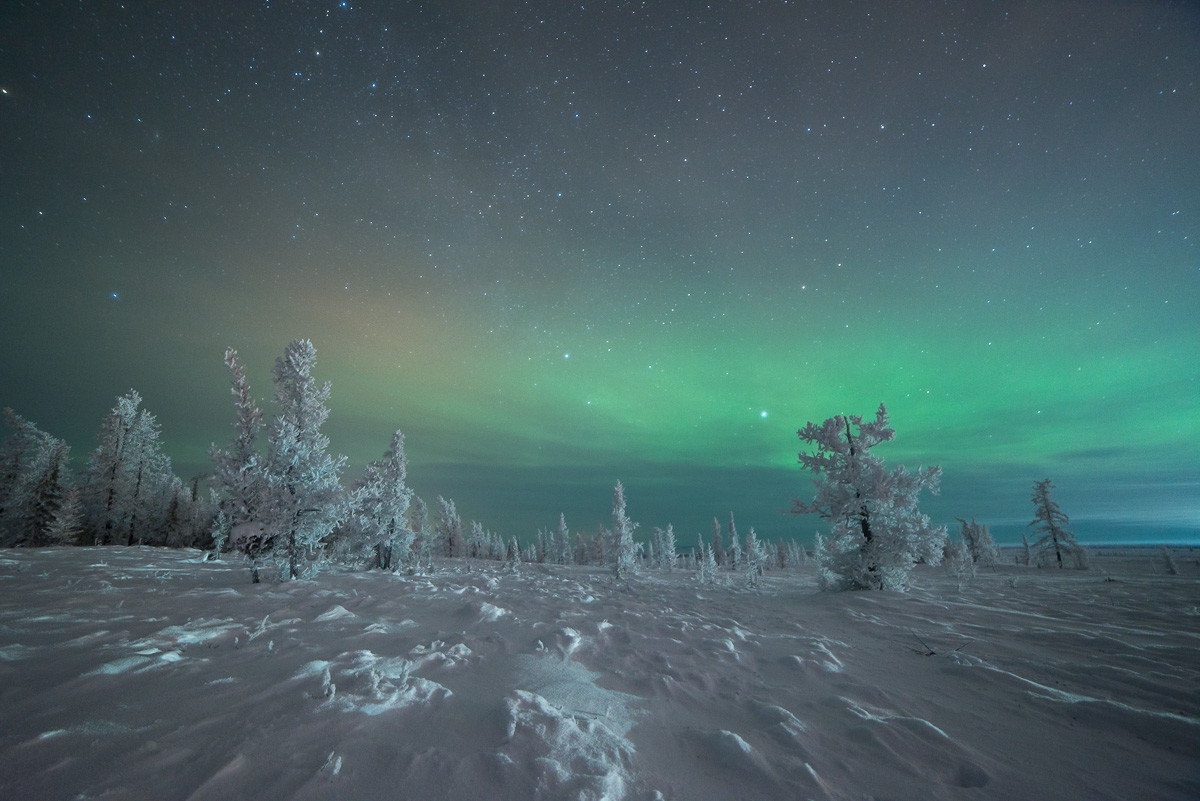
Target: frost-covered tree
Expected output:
[664,547]
[35,503]
[305,498]
[755,559]
[479,542]
[978,539]
[1026,555]
[129,479]
[20,447]
[876,533]
[796,555]
[451,541]
[182,522]
[1050,520]
[67,526]
[624,550]
[717,548]
[735,547]
[418,522]
[34,483]
[561,542]
[239,475]
[706,564]
[958,562]
[379,509]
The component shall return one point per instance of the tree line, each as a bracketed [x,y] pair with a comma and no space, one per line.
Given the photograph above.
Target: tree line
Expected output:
[278,497]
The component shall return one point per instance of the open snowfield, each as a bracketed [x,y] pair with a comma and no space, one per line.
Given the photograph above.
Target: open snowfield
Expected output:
[137,673]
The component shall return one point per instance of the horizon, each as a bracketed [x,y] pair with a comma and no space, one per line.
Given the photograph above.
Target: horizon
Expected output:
[560,246]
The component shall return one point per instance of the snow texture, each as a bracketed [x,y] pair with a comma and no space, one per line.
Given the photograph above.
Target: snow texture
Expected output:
[131,672]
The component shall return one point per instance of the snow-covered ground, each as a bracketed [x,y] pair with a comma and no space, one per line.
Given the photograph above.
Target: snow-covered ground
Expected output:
[137,673]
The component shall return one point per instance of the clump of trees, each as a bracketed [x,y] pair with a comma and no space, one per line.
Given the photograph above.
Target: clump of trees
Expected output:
[129,494]
[979,543]
[876,533]
[38,505]
[291,491]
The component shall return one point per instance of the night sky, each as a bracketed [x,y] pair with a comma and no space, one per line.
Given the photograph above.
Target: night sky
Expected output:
[560,244]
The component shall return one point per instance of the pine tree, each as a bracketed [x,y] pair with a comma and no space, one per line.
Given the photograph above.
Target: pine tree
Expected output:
[624,551]
[450,529]
[876,533]
[1049,519]
[305,498]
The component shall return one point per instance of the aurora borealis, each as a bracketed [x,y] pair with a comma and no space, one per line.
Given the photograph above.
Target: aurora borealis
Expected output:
[561,244]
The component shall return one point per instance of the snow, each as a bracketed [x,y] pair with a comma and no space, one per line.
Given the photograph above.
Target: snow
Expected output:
[148,673]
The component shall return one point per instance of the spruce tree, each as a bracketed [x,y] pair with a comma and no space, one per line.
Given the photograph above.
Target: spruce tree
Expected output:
[305,498]
[239,476]
[664,547]
[562,541]
[624,550]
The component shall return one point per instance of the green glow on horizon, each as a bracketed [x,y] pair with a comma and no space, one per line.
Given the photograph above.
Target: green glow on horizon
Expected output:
[558,271]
